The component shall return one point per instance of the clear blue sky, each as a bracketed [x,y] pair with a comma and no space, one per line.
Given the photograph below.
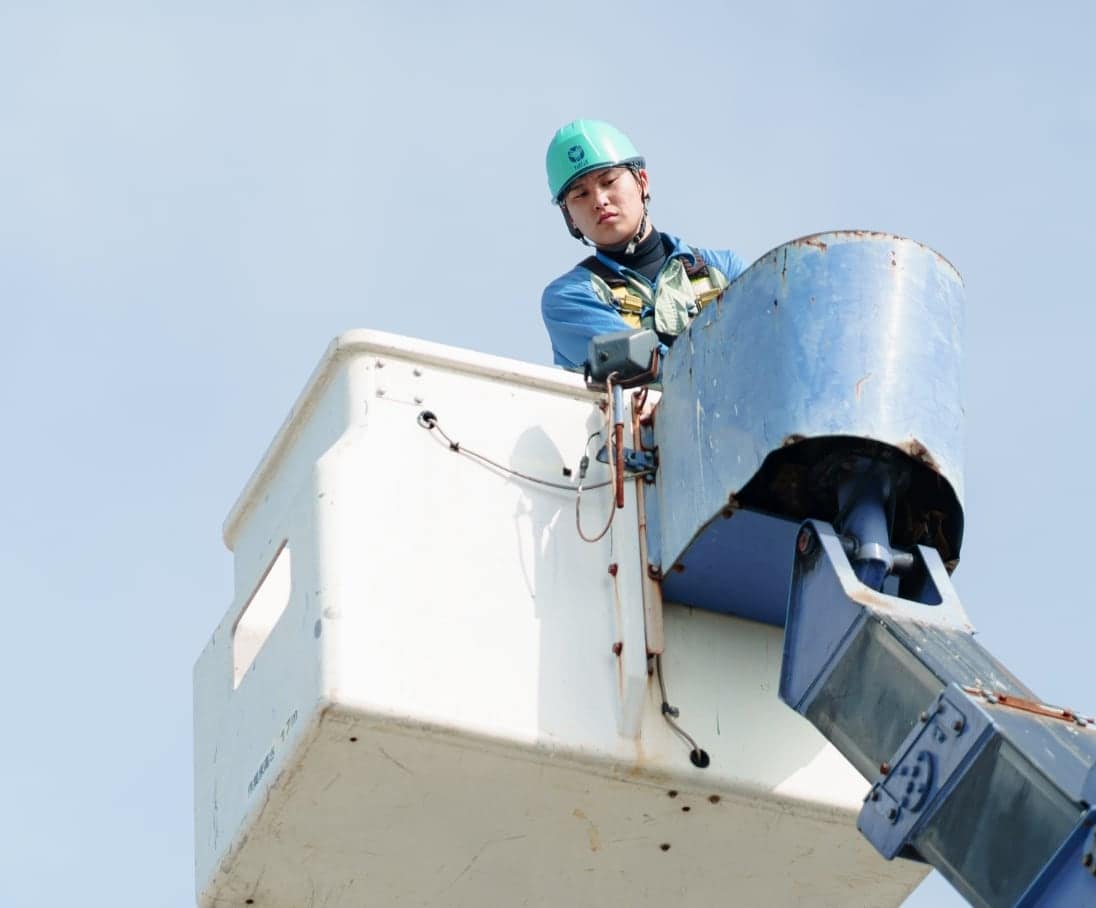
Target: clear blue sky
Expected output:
[195,198]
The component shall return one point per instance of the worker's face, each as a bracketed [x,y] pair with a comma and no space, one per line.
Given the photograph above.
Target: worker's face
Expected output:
[607,205]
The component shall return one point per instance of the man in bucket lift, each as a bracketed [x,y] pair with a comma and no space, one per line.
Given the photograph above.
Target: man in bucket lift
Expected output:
[638,277]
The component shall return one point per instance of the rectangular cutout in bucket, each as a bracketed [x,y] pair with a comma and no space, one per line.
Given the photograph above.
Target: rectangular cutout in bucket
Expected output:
[261,613]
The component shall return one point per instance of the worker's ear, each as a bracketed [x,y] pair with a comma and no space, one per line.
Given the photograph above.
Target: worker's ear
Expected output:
[641,178]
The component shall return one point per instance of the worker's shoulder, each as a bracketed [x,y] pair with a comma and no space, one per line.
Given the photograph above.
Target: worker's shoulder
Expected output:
[575,285]
[728,262]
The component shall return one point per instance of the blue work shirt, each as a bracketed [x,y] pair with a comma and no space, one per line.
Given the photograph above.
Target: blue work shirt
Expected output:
[576,306]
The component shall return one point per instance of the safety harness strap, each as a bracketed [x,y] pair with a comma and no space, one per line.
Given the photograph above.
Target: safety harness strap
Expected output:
[697,270]
[607,274]
[631,304]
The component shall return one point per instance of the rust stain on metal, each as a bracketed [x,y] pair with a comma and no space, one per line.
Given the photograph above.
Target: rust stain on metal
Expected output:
[816,241]
[731,506]
[1029,706]
[645,767]
[920,453]
[804,541]
[613,568]
[864,234]
[929,525]
[678,568]
[655,573]
[594,837]
[618,442]
[860,385]
[618,648]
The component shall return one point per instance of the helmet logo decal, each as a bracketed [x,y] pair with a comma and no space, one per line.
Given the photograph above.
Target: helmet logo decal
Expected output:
[575,154]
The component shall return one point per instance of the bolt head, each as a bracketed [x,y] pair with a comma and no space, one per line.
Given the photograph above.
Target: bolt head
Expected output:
[804,542]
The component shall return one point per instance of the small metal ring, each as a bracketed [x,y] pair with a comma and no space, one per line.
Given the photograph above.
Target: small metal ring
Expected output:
[427,419]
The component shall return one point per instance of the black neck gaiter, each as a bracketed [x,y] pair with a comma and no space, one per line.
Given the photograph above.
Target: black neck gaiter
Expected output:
[648,259]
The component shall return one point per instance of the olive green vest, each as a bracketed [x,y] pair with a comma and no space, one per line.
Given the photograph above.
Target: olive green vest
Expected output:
[679,294]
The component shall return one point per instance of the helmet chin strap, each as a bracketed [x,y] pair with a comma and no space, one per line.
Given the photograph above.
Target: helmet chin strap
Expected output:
[571,228]
[634,241]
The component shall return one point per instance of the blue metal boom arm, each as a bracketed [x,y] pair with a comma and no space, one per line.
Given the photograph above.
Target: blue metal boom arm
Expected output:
[818,402]
[970,772]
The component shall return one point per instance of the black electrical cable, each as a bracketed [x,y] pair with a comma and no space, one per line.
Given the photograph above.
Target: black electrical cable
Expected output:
[429,420]
[697,755]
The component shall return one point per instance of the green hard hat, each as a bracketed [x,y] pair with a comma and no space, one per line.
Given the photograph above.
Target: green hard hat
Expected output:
[585,145]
